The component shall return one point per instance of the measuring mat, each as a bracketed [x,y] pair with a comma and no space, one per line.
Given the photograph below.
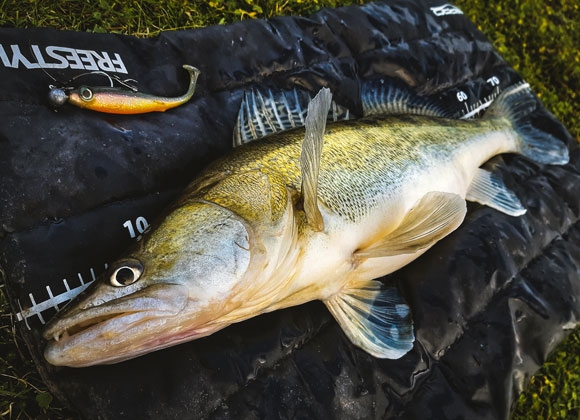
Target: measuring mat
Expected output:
[489,302]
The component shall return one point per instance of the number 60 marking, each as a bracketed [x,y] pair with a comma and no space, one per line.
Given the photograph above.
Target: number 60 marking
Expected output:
[461,96]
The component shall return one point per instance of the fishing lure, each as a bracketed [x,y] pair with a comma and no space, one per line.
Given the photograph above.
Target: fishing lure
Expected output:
[117,100]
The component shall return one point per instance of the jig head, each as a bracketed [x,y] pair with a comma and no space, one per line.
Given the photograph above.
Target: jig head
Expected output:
[117,100]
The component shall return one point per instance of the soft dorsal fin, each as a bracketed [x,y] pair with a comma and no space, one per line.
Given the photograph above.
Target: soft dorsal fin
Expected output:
[310,156]
[390,96]
[375,318]
[490,190]
[434,216]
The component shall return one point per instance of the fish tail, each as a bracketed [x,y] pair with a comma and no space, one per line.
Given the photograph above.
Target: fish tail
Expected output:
[193,75]
[517,104]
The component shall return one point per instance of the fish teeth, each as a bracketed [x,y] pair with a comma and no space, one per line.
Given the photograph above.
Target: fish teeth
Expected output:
[60,335]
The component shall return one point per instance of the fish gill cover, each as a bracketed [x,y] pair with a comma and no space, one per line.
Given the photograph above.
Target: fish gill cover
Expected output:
[489,302]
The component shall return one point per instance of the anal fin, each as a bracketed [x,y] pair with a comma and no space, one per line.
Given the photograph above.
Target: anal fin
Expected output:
[434,216]
[490,190]
[375,318]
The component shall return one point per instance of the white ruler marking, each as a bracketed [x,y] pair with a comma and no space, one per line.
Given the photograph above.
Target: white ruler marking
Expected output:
[53,301]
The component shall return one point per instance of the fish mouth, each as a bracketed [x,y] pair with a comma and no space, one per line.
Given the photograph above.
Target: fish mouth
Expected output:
[61,332]
[113,331]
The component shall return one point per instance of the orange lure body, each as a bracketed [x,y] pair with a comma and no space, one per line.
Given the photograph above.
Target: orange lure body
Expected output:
[122,101]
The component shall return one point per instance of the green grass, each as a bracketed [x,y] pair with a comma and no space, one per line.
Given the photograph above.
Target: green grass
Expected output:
[553,393]
[539,38]
[22,394]
[147,17]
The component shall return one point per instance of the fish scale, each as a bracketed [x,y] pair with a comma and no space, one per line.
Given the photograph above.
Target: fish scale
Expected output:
[364,160]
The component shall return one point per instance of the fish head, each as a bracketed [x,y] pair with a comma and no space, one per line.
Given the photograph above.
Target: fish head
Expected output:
[174,285]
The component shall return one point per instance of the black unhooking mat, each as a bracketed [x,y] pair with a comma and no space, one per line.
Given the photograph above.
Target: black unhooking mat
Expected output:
[489,302]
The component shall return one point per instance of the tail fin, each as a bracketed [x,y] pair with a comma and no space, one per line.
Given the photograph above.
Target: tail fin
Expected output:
[516,104]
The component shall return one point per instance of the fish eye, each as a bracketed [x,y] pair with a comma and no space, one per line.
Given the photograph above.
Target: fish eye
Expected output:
[85,93]
[126,273]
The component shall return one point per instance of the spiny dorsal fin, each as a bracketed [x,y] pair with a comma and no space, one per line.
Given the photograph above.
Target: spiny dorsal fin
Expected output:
[375,318]
[264,111]
[435,215]
[490,190]
[310,156]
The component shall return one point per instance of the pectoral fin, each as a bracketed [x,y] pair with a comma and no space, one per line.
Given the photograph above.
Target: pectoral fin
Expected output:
[375,318]
[489,189]
[311,153]
[433,217]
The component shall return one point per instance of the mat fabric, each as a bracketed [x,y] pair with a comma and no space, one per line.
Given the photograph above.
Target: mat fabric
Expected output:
[489,302]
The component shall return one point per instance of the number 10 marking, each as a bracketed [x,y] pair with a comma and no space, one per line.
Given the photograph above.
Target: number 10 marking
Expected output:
[140,225]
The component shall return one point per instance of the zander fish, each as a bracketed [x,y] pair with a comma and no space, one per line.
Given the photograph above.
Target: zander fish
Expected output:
[313,213]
